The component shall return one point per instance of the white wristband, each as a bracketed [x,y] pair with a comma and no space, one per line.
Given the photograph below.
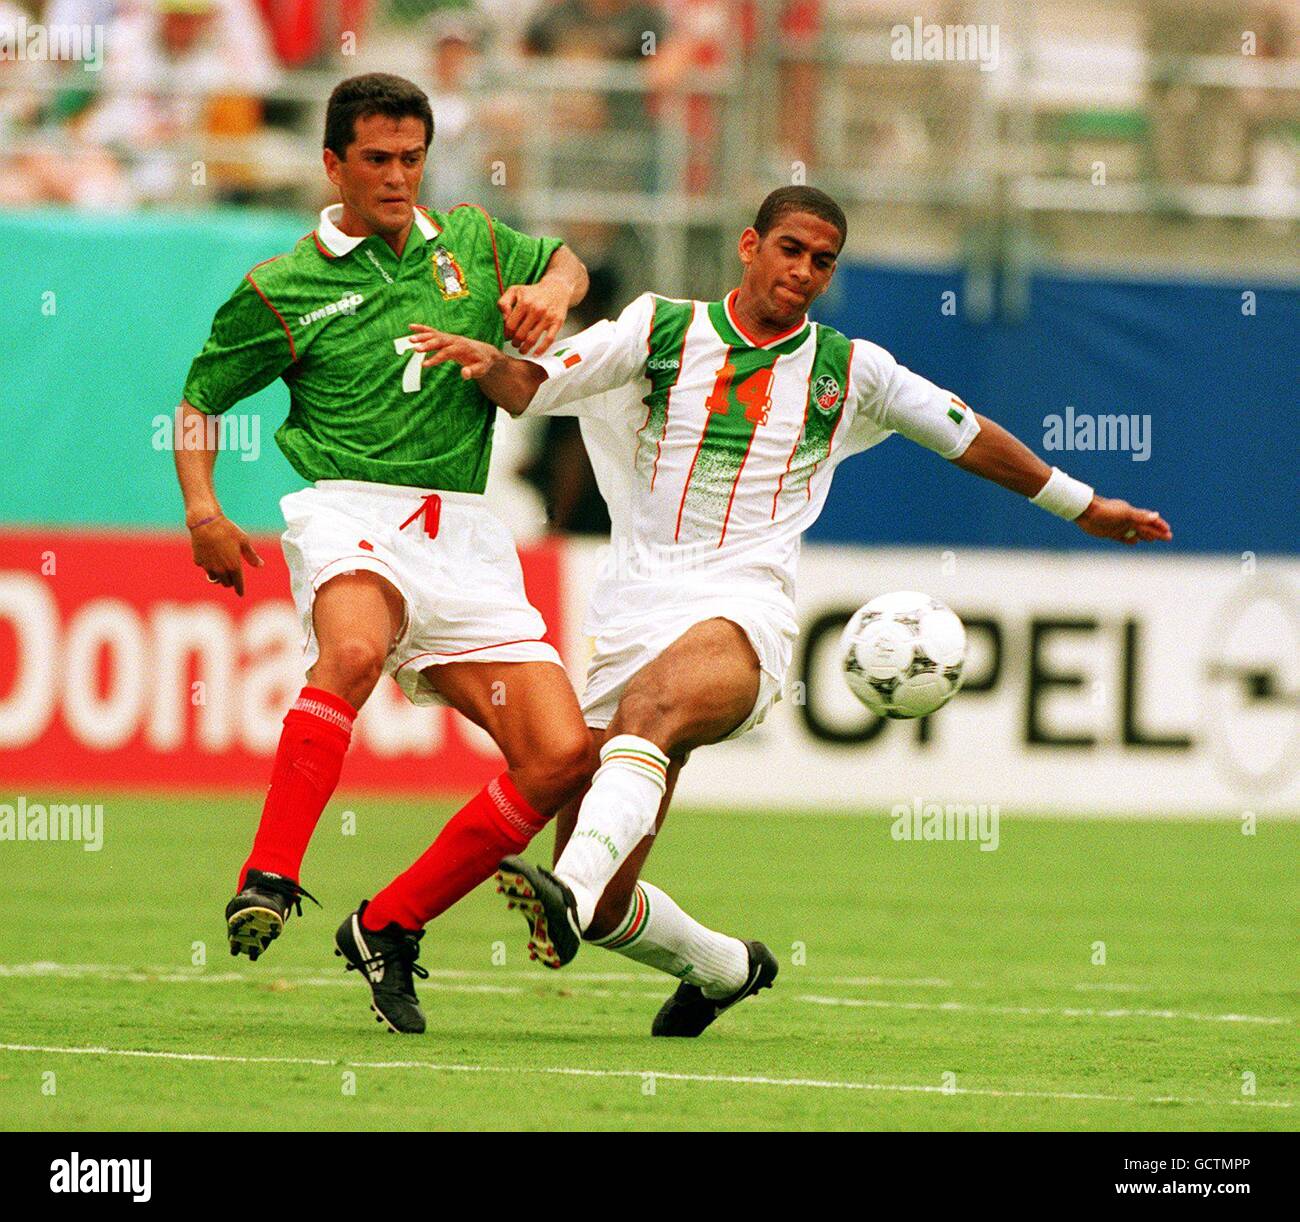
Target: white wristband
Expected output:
[1063,496]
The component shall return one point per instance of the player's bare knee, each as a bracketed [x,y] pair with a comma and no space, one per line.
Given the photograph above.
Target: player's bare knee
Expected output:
[562,770]
[648,712]
[582,758]
[354,663]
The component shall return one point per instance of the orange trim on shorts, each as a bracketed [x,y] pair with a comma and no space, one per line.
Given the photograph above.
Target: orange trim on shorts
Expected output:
[456,653]
[358,556]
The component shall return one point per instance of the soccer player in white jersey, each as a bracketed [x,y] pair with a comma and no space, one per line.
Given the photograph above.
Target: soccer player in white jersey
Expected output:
[714,430]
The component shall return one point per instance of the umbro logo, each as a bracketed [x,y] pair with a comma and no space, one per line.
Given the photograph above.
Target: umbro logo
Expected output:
[347,304]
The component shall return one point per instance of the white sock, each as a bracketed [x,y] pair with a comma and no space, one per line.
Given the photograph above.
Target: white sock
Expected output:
[658,933]
[618,812]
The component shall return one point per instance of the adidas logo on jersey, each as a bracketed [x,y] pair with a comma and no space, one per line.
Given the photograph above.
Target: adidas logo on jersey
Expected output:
[656,363]
[344,305]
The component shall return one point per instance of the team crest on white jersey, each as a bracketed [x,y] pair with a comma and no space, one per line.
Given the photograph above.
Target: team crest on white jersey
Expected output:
[826,392]
[446,271]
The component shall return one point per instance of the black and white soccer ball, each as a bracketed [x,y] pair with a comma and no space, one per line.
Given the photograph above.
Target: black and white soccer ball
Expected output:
[902,654]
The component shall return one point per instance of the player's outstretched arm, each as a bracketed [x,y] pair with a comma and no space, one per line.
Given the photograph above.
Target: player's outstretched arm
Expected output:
[999,456]
[507,381]
[534,313]
[219,546]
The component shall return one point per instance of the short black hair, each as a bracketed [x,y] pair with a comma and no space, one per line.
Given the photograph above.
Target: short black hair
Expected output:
[800,199]
[374,93]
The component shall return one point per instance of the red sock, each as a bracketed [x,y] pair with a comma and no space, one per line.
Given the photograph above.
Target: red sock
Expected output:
[494,823]
[308,761]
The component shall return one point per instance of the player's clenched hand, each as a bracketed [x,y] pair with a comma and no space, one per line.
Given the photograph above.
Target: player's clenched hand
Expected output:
[220,548]
[473,356]
[534,314]
[1113,519]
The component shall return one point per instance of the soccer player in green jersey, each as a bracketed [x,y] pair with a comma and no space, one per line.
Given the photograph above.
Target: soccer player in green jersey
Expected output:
[396,565]
[715,429]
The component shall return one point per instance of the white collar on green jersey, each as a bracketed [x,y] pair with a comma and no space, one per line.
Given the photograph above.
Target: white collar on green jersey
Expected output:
[339,243]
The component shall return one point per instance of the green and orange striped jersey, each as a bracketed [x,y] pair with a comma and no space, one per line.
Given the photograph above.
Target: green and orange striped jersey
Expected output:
[331,318]
[715,450]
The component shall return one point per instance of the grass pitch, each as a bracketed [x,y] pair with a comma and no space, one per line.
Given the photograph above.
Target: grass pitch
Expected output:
[922,985]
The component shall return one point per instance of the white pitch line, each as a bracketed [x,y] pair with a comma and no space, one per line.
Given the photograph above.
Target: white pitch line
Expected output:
[1042,1011]
[444,982]
[641,1074]
[916,982]
[171,974]
[276,983]
[284,983]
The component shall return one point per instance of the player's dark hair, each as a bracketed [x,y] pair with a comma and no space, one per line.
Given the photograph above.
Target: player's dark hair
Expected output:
[375,93]
[800,199]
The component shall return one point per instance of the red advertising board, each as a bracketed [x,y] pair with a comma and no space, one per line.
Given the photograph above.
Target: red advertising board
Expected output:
[121,667]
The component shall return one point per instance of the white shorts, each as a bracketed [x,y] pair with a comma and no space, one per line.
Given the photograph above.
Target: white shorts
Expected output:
[635,637]
[462,584]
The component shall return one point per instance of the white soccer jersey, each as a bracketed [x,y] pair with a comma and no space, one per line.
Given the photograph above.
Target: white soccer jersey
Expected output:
[715,453]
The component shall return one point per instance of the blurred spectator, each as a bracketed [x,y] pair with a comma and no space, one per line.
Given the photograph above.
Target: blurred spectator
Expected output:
[189,48]
[704,36]
[603,141]
[20,108]
[600,141]
[713,34]
[173,69]
[1205,133]
[78,12]
[619,30]
[475,131]
[20,104]
[598,29]
[305,30]
[797,76]
[42,161]
[457,160]
[508,19]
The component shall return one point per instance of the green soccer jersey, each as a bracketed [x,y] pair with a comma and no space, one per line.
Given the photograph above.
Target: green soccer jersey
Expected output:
[331,318]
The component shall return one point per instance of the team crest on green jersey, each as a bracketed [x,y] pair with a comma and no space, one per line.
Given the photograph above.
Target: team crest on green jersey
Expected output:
[446,271]
[826,392]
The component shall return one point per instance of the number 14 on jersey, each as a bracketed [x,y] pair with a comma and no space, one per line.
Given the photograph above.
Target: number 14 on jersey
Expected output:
[754,393]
